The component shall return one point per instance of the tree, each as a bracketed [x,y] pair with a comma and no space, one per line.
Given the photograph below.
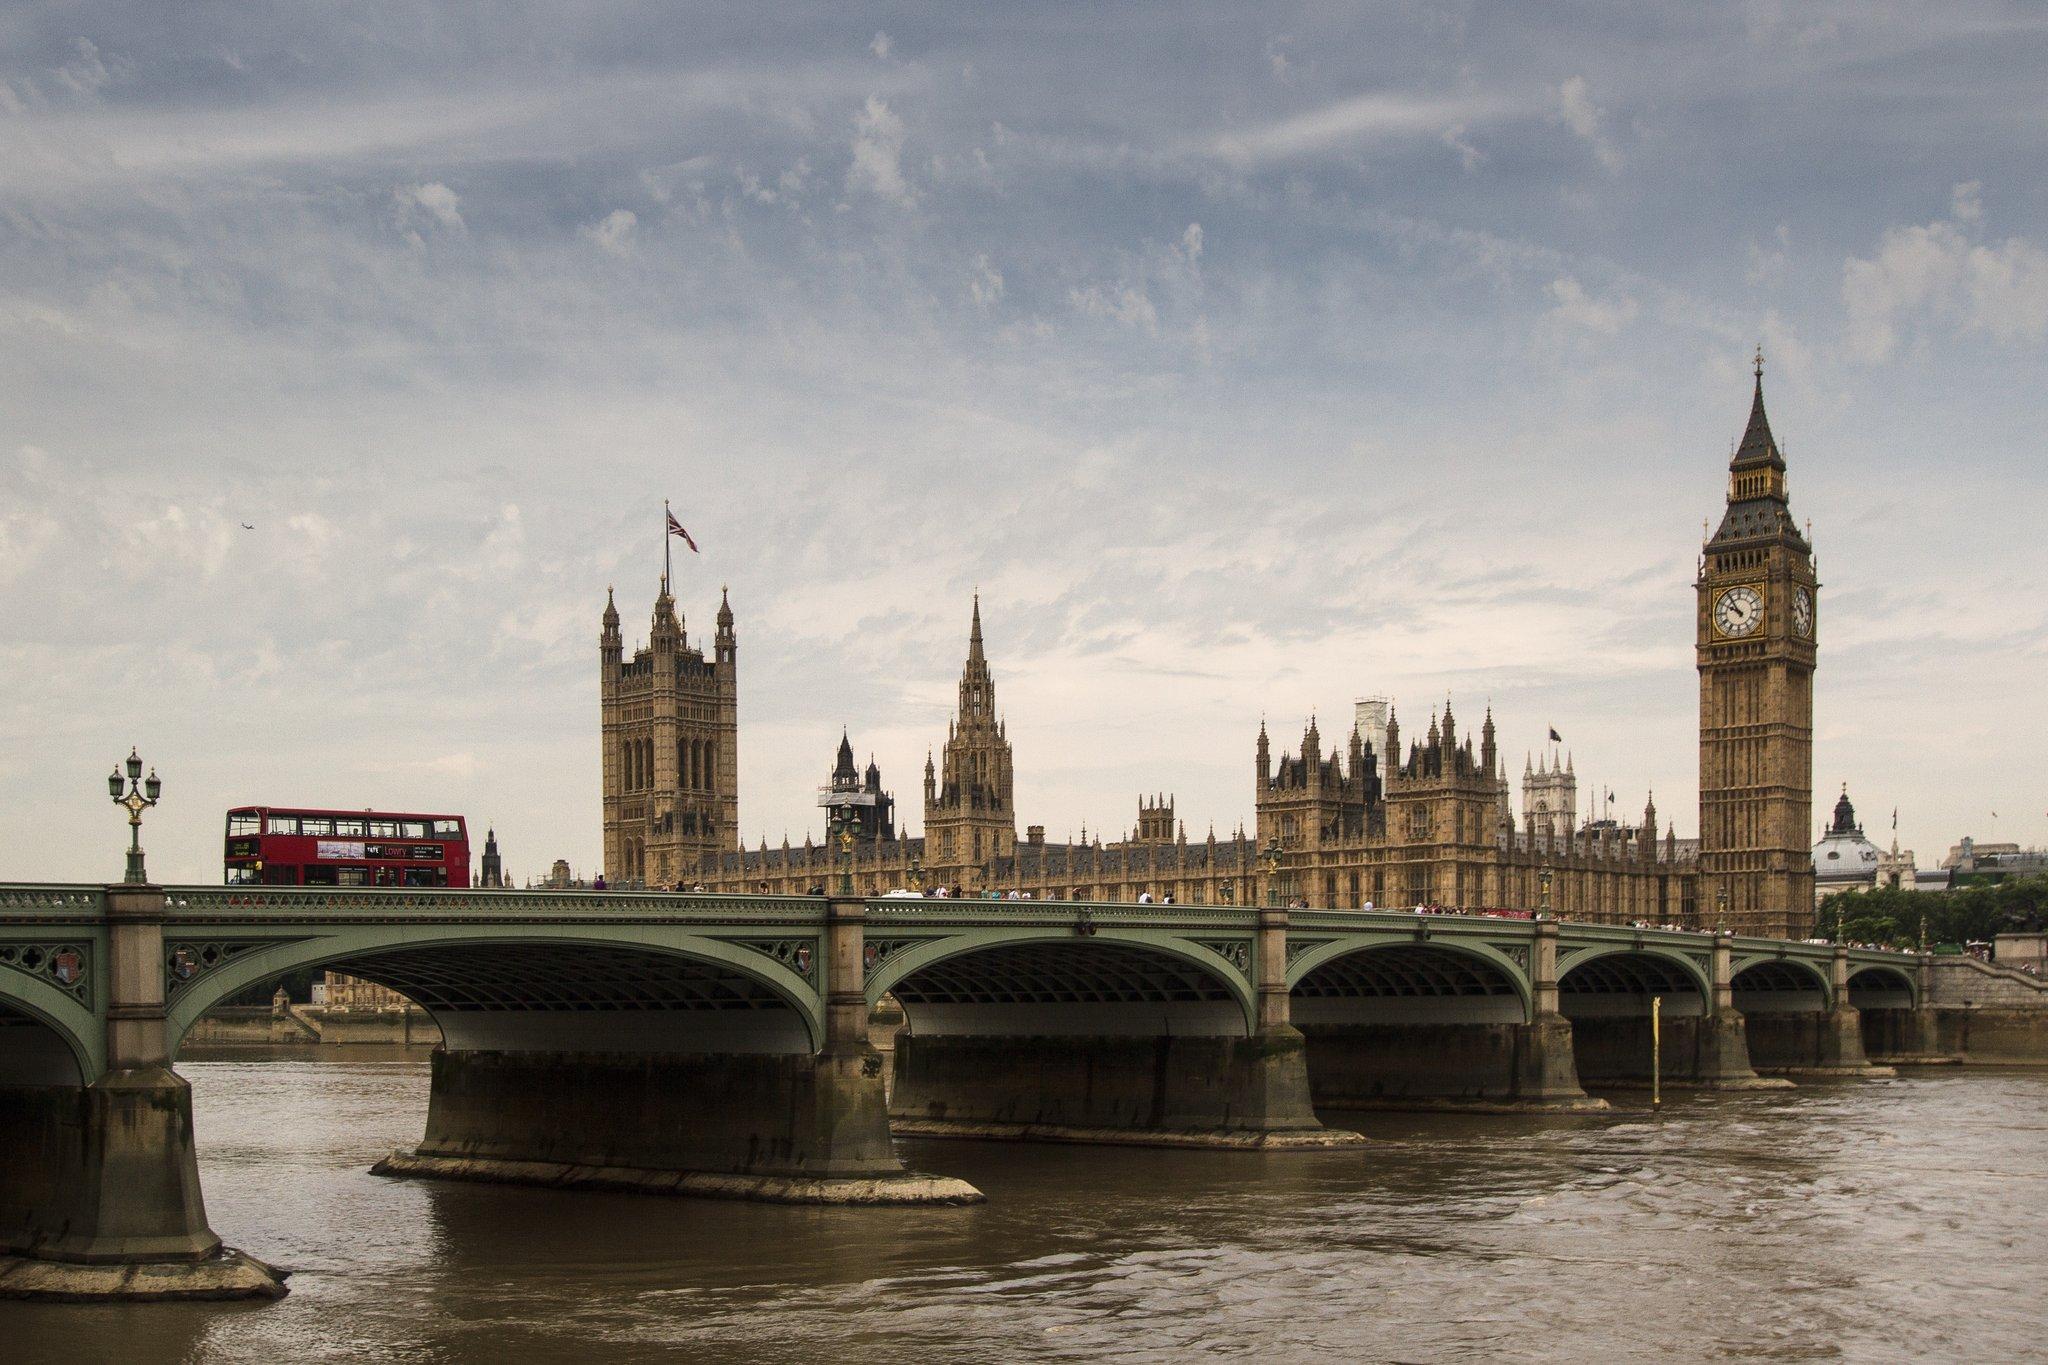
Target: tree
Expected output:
[1977,912]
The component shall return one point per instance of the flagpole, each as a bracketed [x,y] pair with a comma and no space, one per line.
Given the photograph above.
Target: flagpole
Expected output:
[666,566]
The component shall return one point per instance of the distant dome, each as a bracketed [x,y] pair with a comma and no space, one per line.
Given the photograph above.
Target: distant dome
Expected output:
[1843,854]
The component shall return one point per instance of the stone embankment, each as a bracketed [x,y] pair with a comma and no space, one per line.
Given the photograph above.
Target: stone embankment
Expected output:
[298,1025]
[1988,1014]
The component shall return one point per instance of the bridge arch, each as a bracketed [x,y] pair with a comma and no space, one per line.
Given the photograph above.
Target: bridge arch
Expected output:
[1051,980]
[549,988]
[1620,981]
[1406,980]
[46,1037]
[1879,987]
[1780,985]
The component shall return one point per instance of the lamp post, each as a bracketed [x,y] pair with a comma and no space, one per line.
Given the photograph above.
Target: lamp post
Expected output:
[1543,890]
[916,872]
[843,823]
[139,795]
[1721,910]
[1271,858]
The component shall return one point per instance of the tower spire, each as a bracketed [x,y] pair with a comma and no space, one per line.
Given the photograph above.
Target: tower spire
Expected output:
[1757,447]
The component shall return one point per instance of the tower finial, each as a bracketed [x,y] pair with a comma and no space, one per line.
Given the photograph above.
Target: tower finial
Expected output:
[1759,362]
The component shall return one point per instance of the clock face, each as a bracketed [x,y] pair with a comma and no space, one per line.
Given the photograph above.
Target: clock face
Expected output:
[1802,612]
[1739,612]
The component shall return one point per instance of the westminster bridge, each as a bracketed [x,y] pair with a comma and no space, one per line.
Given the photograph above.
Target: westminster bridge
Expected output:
[719,1044]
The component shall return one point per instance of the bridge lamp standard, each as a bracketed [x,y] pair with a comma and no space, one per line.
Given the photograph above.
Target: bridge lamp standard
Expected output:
[139,795]
[1543,890]
[1271,858]
[843,824]
[1720,910]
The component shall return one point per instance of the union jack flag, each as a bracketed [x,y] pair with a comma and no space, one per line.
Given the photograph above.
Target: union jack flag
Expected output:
[675,528]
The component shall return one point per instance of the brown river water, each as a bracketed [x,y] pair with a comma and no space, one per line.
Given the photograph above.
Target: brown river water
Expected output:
[1880,1220]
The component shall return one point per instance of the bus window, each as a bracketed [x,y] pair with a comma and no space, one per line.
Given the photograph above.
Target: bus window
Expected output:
[352,876]
[245,822]
[413,829]
[383,829]
[284,824]
[426,876]
[319,826]
[319,876]
[447,829]
[243,875]
[352,828]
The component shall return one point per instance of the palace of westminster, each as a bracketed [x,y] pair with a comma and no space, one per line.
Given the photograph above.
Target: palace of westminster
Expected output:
[1356,820]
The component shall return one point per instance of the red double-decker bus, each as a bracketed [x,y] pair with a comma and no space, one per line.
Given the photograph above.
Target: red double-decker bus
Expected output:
[275,846]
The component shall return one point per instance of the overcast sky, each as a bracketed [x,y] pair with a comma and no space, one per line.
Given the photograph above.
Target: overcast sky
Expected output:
[1250,359]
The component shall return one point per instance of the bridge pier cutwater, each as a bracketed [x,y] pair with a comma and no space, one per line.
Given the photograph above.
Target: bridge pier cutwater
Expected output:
[99,1192]
[717,1045]
[761,1117]
[1424,1020]
[1093,1026]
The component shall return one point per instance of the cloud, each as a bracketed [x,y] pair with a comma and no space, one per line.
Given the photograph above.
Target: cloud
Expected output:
[881,46]
[1580,114]
[1966,202]
[435,202]
[1126,304]
[615,232]
[1469,156]
[1279,60]
[1348,123]
[985,283]
[1942,272]
[878,155]
[88,73]
[1768,264]
[1574,307]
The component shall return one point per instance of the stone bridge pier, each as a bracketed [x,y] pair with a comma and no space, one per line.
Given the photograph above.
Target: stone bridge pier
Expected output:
[1085,1028]
[1703,1039]
[99,1188]
[1425,1021]
[1800,1022]
[667,1075]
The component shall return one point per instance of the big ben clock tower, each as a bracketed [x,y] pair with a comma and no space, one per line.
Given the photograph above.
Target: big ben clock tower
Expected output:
[1755,632]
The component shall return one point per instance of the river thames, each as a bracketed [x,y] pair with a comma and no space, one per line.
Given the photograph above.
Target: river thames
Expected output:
[1869,1221]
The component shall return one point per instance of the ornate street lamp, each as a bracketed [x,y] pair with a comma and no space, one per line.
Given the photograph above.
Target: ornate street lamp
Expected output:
[843,824]
[1271,858]
[1543,890]
[139,795]
[916,872]
[1721,910]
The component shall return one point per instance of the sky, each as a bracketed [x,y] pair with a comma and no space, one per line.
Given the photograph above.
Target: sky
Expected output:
[1248,359]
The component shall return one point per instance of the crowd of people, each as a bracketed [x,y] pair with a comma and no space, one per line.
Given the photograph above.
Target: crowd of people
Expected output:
[960,892]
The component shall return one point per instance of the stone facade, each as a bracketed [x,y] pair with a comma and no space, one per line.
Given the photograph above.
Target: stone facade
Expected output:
[671,747]
[1755,647]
